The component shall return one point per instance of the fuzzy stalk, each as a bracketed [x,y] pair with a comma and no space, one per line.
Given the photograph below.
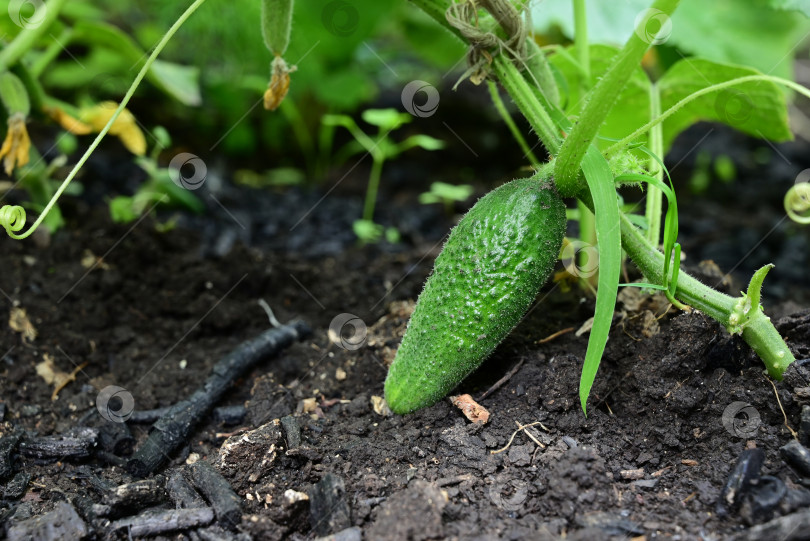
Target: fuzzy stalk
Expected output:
[600,102]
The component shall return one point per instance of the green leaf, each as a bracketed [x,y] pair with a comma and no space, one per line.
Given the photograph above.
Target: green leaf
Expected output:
[729,31]
[630,111]
[386,119]
[756,108]
[422,141]
[180,82]
[121,209]
[792,5]
[599,177]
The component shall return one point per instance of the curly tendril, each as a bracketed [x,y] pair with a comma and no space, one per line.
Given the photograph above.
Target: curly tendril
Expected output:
[12,218]
[797,203]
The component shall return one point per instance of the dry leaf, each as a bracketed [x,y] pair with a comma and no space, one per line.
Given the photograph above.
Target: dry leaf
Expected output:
[471,409]
[19,322]
[279,83]
[48,371]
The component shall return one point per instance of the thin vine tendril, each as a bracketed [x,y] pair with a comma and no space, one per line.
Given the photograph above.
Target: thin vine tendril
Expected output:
[12,218]
[797,203]
[708,90]
[11,226]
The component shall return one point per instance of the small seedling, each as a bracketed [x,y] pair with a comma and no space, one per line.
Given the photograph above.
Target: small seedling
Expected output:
[607,126]
[447,194]
[157,190]
[381,149]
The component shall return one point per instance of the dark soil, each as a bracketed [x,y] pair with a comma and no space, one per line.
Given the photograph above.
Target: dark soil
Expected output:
[152,312]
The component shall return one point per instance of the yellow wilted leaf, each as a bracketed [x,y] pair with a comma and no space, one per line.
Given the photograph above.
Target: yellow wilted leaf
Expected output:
[125,126]
[73,125]
[17,144]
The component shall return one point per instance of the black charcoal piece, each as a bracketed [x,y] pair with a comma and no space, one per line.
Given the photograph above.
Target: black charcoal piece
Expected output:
[172,430]
[57,525]
[218,492]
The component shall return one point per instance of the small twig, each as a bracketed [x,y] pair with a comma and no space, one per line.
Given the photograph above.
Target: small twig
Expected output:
[523,428]
[557,334]
[498,384]
[778,401]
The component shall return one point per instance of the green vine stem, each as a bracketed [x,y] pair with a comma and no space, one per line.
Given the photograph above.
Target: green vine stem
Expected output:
[26,39]
[600,102]
[16,215]
[756,328]
[526,100]
[655,198]
[581,44]
[510,123]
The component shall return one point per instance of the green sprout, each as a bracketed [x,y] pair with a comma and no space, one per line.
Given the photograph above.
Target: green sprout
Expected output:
[447,194]
[381,148]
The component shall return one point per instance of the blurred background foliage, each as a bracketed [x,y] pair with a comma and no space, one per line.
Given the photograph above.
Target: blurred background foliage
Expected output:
[351,55]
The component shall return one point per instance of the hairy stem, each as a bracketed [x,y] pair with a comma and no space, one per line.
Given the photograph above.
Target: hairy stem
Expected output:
[655,197]
[600,102]
[26,39]
[510,123]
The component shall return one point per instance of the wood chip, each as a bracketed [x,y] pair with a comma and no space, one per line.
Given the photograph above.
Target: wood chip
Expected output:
[471,409]
[19,322]
[632,474]
[689,462]
[381,406]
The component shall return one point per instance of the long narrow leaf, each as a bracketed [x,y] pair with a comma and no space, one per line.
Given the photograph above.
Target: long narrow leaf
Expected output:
[606,210]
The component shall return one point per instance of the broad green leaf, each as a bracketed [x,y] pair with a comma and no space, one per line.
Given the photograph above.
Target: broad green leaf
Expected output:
[180,82]
[633,106]
[746,32]
[757,108]
[792,5]
[599,177]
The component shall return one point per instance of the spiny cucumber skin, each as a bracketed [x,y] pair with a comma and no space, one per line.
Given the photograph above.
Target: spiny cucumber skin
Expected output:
[489,272]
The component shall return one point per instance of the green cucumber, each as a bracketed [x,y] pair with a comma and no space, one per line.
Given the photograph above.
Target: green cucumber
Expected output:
[489,272]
